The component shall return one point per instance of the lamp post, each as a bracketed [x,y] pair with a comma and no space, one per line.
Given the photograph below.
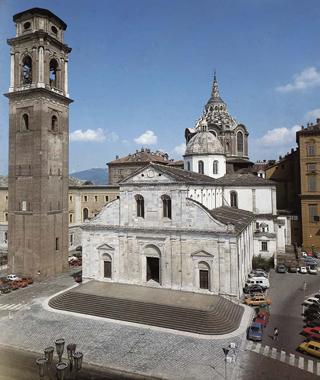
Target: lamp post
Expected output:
[225,351]
[45,363]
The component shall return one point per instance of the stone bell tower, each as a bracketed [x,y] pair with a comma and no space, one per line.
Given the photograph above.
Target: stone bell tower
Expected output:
[38,145]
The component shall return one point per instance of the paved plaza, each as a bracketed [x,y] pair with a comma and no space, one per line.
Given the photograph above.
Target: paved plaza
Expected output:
[114,345]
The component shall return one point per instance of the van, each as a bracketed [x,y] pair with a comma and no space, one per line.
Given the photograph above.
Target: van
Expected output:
[262,281]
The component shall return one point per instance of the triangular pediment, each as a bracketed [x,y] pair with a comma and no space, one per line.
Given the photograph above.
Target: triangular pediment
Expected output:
[106,247]
[202,253]
[149,174]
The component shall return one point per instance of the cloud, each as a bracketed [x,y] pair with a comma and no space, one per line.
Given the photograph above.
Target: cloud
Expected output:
[313,114]
[308,78]
[180,149]
[279,137]
[147,138]
[96,135]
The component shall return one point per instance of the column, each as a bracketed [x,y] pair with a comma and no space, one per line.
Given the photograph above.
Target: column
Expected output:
[66,78]
[41,68]
[11,73]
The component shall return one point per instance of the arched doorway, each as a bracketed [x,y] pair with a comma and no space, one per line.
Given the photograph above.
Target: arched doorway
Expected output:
[107,266]
[204,275]
[153,265]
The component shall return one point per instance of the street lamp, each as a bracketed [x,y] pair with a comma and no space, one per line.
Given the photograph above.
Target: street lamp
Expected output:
[44,363]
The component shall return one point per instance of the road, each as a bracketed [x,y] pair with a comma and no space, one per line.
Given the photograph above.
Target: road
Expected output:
[286,292]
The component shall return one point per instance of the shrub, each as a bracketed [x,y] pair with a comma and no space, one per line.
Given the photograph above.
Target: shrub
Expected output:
[262,262]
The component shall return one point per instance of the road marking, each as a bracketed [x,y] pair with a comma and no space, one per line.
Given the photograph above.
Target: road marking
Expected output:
[12,306]
[282,356]
[291,359]
[310,366]
[274,353]
[266,351]
[301,362]
[257,348]
[15,307]
[318,368]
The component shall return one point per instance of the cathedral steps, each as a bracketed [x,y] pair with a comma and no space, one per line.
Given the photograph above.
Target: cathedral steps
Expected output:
[222,318]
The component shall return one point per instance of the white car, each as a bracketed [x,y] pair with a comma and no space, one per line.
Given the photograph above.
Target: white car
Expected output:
[303,270]
[304,254]
[311,301]
[13,277]
[312,270]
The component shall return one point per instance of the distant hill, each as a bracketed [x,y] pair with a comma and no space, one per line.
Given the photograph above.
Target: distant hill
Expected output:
[98,176]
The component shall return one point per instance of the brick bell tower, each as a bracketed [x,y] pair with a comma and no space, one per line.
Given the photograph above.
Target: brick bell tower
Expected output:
[38,145]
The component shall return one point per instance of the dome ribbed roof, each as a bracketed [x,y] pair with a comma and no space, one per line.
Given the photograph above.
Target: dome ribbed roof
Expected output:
[204,142]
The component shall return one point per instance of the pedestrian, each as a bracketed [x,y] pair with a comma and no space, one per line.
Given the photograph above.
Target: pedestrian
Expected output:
[275,334]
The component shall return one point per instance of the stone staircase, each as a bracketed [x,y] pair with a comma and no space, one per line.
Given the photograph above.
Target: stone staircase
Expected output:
[223,317]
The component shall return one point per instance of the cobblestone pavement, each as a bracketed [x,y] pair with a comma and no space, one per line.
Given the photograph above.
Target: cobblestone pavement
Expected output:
[110,344]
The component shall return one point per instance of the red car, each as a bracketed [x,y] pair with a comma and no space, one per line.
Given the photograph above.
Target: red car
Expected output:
[262,318]
[312,332]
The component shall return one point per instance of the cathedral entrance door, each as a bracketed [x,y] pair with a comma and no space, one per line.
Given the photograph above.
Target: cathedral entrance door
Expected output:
[204,279]
[153,269]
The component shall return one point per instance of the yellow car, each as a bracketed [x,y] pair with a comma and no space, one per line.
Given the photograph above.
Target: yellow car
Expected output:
[312,348]
[257,300]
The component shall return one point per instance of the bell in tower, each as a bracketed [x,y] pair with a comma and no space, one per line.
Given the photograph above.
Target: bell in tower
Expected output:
[38,145]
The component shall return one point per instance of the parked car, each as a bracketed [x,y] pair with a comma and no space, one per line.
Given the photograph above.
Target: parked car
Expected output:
[310,261]
[317,295]
[262,318]
[29,280]
[263,309]
[304,254]
[292,269]
[22,283]
[14,285]
[281,268]
[312,269]
[261,281]
[312,333]
[313,322]
[313,307]
[312,348]
[251,289]
[303,270]
[13,277]
[311,315]
[310,301]
[5,289]
[255,332]
[257,300]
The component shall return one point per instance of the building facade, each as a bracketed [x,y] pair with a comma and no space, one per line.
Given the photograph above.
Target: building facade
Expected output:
[155,235]
[308,140]
[38,145]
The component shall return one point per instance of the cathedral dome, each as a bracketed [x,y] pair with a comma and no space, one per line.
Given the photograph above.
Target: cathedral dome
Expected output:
[204,142]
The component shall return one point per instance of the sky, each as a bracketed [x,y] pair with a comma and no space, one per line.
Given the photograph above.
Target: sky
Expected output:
[141,72]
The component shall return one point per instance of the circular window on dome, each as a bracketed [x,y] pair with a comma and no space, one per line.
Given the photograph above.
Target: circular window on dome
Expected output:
[54,30]
[27,25]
